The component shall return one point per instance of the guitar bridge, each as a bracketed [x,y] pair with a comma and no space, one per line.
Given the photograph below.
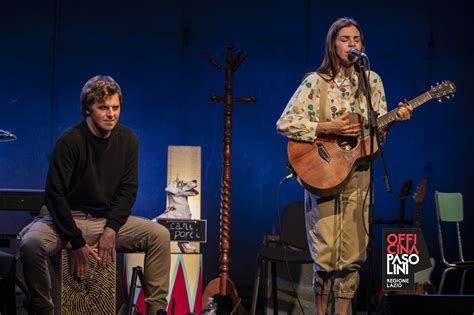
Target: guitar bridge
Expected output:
[323,153]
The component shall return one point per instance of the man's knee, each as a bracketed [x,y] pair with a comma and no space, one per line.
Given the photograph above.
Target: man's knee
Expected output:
[161,233]
[31,247]
[155,232]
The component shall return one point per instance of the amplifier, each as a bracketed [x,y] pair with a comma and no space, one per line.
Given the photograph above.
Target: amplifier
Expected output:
[17,206]
[21,199]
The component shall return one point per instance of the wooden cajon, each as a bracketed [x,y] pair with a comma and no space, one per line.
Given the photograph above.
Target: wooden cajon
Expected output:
[93,296]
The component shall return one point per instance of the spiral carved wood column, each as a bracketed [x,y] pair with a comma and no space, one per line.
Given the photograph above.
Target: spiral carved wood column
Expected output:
[224,285]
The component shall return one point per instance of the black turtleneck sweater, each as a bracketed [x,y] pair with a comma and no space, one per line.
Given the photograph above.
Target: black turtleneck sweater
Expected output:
[93,175]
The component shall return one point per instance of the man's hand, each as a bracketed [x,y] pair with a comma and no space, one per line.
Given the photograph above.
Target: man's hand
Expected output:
[106,247]
[79,260]
[404,111]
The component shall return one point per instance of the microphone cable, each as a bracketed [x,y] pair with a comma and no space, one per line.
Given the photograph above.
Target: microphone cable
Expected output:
[282,241]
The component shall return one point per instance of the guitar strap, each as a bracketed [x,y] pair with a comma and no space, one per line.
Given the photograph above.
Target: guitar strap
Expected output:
[323,96]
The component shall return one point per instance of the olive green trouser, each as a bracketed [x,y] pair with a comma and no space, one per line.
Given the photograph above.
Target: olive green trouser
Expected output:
[337,236]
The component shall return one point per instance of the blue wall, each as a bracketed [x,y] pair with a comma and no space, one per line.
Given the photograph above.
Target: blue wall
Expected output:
[152,48]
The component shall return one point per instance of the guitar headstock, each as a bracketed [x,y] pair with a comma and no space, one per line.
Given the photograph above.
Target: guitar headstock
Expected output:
[420,192]
[442,90]
[406,189]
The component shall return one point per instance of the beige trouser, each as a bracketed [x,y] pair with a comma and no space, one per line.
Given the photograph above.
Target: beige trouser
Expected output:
[337,236]
[40,241]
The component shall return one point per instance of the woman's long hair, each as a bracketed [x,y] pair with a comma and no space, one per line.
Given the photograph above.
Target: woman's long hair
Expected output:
[331,63]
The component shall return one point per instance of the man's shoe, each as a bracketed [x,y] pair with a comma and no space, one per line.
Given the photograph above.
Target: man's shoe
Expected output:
[161,312]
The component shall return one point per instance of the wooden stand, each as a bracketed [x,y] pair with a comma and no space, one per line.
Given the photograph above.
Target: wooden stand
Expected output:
[185,286]
[223,285]
[213,288]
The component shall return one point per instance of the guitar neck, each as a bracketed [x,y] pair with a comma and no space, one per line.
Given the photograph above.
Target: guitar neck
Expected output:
[417,219]
[401,216]
[420,196]
[391,117]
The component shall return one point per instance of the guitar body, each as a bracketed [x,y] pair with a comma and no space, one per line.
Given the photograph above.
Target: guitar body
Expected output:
[324,166]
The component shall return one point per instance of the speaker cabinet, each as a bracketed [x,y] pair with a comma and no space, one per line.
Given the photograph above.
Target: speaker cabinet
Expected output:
[426,304]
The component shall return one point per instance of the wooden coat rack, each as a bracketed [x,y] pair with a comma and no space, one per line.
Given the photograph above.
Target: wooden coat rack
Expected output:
[223,285]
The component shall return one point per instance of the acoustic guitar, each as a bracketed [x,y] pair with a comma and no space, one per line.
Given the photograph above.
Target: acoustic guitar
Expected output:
[324,166]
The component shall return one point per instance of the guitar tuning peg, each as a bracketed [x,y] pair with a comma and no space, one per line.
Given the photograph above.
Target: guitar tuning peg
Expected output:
[440,100]
[448,97]
[437,83]
[432,86]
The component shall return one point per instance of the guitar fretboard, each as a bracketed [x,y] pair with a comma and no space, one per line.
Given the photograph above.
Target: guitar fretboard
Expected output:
[391,116]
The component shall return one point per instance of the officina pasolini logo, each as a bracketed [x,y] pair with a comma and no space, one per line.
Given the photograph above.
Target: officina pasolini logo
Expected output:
[404,254]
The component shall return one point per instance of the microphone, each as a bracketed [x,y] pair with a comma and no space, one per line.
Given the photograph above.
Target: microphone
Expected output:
[354,52]
[6,135]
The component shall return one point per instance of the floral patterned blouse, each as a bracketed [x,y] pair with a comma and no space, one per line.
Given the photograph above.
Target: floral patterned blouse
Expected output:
[301,116]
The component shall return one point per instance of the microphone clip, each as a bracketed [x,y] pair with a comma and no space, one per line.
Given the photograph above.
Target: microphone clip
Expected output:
[290,168]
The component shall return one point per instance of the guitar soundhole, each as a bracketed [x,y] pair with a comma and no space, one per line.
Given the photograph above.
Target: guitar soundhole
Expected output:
[347,143]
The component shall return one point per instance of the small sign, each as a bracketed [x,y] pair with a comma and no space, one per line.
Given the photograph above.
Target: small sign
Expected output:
[404,254]
[186,230]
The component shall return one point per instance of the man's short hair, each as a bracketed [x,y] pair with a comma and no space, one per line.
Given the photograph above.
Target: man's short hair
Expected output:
[97,90]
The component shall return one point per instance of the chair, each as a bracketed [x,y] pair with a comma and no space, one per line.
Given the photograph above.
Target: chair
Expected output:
[293,234]
[449,210]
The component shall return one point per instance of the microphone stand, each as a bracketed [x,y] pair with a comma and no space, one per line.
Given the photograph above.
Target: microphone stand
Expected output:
[374,133]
